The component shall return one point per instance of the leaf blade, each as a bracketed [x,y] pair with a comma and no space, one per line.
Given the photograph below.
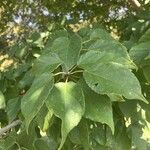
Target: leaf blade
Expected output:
[98,108]
[67,102]
[36,96]
[105,76]
[68,49]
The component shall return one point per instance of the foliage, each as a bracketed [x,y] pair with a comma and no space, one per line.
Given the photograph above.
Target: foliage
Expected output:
[81,90]
[20,18]
[67,83]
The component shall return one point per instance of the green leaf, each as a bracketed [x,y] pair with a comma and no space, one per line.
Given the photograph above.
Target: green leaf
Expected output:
[128,108]
[2,101]
[80,135]
[139,52]
[98,135]
[121,140]
[100,34]
[53,36]
[19,50]
[54,131]
[145,37]
[27,79]
[115,49]
[146,71]
[27,140]
[68,49]
[13,107]
[47,120]
[105,43]
[2,144]
[44,143]
[98,108]
[10,141]
[147,57]
[84,34]
[35,97]
[67,102]
[137,139]
[107,77]
[46,63]
[20,70]
[43,118]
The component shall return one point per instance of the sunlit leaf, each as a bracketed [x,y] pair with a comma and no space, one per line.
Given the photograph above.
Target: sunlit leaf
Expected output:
[36,96]
[105,76]
[46,63]
[68,49]
[67,102]
[2,101]
[43,118]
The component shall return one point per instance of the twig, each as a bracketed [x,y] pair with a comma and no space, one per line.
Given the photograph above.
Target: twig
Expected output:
[86,41]
[60,73]
[74,76]
[135,3]
[72,79]
[73,68]
[78,71]
[9,126]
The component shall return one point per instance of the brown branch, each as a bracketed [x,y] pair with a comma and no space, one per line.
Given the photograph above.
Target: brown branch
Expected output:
[9,126]
[135,4]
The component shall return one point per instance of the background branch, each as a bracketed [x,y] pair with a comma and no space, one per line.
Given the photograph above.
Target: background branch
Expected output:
[135,4]
[9,126]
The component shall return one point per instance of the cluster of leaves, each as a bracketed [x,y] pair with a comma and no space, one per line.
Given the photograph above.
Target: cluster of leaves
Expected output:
[83,90]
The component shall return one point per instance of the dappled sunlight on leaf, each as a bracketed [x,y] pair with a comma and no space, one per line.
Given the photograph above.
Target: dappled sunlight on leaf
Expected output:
[67,102]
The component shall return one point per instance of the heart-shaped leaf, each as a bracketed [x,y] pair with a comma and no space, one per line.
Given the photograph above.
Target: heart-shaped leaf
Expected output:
[105,76]
[67,102]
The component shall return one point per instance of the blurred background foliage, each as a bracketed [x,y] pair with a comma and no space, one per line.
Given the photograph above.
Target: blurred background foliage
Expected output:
[18,18]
